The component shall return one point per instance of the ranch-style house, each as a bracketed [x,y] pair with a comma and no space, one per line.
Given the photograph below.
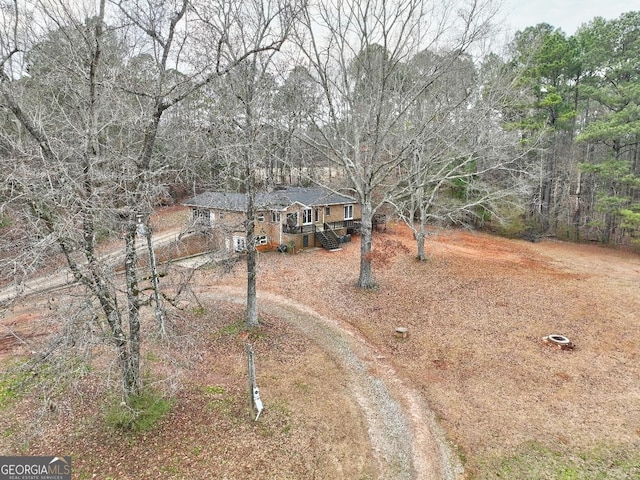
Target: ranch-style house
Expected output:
[295,217]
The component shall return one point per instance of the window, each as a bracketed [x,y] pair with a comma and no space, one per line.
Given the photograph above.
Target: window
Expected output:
[261,240]
[239,244]
[202,216]
[292,219]
[327,211]
[317,215]
[260,217]
[348,212]
[306,216]
[275,217]
[292,222]
[220,215]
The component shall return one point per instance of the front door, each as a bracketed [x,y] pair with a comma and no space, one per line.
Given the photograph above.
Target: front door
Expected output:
[305,241]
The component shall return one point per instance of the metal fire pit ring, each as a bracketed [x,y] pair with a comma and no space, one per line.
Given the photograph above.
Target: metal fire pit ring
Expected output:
[558,339]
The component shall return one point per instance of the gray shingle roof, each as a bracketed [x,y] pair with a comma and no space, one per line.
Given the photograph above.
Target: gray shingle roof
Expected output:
[227,201]
[278,199]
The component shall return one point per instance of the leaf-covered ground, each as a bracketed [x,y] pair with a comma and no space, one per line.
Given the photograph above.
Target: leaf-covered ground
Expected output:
[476,313]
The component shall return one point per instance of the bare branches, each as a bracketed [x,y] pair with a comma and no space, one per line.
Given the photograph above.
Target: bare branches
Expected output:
[10,14]
[87,102]
[379,64]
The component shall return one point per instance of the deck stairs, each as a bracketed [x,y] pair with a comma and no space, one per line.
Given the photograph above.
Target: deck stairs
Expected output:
[328,239]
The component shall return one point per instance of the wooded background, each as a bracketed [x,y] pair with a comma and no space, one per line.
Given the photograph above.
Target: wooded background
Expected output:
[109,109]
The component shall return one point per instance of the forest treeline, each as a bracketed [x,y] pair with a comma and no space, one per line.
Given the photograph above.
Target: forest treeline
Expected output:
[573,100]
[584,96]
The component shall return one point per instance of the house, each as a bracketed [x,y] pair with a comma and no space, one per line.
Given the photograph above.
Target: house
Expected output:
[297,217]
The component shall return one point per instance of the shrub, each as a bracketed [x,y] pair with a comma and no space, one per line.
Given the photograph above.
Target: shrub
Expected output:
[141,414]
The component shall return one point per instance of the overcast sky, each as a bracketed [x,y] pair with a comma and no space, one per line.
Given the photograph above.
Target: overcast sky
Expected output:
[565,14]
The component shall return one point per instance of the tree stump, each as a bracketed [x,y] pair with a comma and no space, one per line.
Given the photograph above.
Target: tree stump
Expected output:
[401,332]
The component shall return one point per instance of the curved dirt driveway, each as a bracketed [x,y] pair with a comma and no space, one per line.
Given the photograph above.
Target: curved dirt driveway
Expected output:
[405,437]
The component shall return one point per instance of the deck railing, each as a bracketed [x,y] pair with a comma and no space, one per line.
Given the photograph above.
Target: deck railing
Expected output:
[298,229]
[352,223]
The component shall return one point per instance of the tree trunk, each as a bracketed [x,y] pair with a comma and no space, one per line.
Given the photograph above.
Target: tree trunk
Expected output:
[577,212]
[421,233]
[546,192]
[420,242]
[155,280]
[252,300]
[131,350]
[365,280]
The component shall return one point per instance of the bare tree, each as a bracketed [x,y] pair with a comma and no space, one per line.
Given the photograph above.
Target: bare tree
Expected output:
[357,53]
[245,101]
[83,151]
[59,174]
[464,167]
[245,148]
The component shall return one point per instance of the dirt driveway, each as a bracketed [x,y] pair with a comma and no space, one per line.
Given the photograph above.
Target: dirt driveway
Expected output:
[405,437]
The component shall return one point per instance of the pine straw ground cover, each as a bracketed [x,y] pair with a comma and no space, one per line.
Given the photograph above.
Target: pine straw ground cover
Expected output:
[476,313]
